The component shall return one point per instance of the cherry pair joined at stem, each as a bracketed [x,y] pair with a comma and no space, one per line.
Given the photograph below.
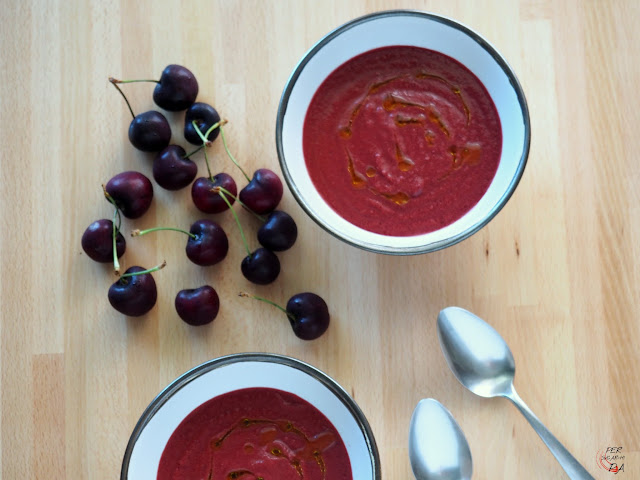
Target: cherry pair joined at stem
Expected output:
[263,192]
[261,266]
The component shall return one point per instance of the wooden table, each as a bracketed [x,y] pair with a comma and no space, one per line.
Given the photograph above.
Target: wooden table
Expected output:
[557,272]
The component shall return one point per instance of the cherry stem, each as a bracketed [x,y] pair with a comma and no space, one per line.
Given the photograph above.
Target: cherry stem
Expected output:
[213,127]
[116,214]
[235,197]
[205,136]
[114,82]
[205,142]
[194,151]
[149,270]
[256,297]
[116,263]
[235,215]
[206,160]
[113,202]
[224,142]
[139,233]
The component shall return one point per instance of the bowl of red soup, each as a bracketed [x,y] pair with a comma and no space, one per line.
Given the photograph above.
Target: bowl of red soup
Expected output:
[402,132]
[252,416]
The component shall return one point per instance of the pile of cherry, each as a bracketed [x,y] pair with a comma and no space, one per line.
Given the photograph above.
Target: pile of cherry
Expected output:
[131,194]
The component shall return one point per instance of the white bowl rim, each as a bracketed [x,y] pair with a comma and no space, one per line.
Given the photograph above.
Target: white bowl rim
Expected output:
[437,245]
[189,376]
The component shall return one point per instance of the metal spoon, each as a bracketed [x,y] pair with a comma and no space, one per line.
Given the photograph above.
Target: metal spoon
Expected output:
[480,358]
[438,449]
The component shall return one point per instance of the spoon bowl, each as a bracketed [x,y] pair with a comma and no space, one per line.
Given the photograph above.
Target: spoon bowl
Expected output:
[438,449]
[476,353]
[481,360]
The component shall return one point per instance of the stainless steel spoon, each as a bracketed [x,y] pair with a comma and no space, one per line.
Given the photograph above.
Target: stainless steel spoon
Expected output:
[438,449]
[480,358]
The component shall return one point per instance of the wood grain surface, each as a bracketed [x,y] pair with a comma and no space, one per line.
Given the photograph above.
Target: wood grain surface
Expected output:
[557,272]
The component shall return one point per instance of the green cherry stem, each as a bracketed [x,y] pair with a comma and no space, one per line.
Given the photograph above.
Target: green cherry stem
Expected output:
[235,197]
[256,297]
[139,233]
[149,270]
[205,136]
[224,142]
[194,151]
[205,143]
[116,214]
[116,263]
[113,202]
[213,127]
[235,215]
[115,82]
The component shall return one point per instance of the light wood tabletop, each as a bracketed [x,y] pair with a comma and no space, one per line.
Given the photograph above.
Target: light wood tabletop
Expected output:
[556,272]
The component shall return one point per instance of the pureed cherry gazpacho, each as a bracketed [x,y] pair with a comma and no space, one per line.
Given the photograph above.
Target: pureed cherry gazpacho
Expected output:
[402,140]
[255,434]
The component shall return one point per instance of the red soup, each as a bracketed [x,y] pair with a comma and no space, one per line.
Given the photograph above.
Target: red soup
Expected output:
[255,434]
[402,140]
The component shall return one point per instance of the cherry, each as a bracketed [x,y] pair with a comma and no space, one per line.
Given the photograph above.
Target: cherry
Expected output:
[279,232]
[207,243]
[263,193]
[204,116]
[134,293]
[176,90]
[148,131]
[261,267]
[173,169]
[208,201]
[307,312]
[132,193]
[97,241]
[197,306]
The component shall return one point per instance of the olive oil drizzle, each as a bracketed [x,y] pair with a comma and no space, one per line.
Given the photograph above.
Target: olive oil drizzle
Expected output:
[359,181]
[454,89]
[345,132]
[404,163]
[467,155]
[283,426]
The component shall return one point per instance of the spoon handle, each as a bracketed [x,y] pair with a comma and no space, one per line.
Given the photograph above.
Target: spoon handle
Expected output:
[574,470]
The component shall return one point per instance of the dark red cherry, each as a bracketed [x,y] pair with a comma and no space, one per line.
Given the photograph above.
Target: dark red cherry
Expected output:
[211,202]
[97,241]
[171,170]
[308,314]
[205,117]
[132,192]
[149,131]
[210,244]
[176,90]
[197,306]
[133,295]
[279,232]
[263,193]
[261,267]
